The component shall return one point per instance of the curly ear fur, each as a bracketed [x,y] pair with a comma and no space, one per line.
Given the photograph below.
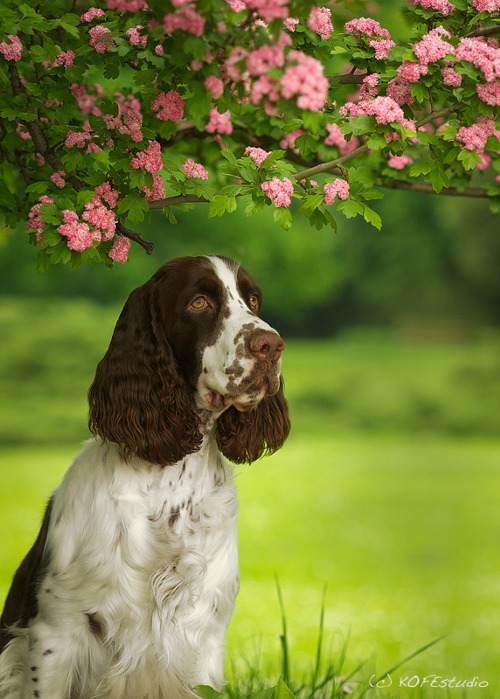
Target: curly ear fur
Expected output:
[138,398]
[243,437]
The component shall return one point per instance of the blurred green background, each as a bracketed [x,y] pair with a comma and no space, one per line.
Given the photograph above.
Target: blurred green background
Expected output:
[386,491]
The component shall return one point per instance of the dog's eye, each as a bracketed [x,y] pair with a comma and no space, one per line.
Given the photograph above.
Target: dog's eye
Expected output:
[199,303]
[254,302]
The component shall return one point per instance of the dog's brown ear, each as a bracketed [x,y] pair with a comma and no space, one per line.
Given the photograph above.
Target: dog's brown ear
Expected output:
[244,437]
[138,398]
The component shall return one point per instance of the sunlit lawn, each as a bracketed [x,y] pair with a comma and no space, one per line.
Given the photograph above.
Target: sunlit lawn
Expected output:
[386,493]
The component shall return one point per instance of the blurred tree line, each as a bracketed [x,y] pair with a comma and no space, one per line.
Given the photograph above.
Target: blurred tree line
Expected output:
[435,260]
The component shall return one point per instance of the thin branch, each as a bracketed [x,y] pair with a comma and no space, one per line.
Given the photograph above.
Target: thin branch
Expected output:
[179,199]
[331,165]
[472,192]
[349,78]
[136,237]
[485,31]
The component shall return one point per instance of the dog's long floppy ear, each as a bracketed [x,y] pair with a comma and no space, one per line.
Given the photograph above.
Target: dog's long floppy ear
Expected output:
[243,437]
[138,398]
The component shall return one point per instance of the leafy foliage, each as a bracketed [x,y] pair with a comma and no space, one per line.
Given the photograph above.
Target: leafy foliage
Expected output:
[86,98]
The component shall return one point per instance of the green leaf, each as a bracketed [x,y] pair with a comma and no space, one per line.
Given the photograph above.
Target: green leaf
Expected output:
[469,158]
[351,208]
[281,691]
[283,216]
[376,141]
[372,217]
[37,187]
[220,204]
[418,169]
[207,692]
[438,179]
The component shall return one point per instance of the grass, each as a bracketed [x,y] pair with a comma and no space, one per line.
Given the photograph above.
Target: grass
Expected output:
[384,493]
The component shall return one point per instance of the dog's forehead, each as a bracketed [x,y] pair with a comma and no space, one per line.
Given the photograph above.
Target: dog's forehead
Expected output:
[227,272]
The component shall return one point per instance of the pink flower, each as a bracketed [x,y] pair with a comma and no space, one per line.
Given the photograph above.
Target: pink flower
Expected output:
[305,78]
[442,6]
[482,55]
[219,123]
[126,5]
[168,105]
[319,21]
[12,51]
[291,23]
[451,77]
[279,191]
[384,109]
[269,9]
[119,251]
[336,138]
[382,47]
[288,140]
[149,159]
[237,5]
[260,61]
[432,47]
[185,19]
[58,178]
[134,36]
[106,192]
[78,234]
[474,137]
[101,218]
[192,169]
[258,155]
[338,187]
[398,162]
[489,93]
[411,72]
[158,190]
[368,26]
[65,58]
[79,139]
[25,135]
[159,50]
[35,220]
[101,38]
[92,14]
[400,91]
[214,85]
[486,5]
[369,86]
[129,119]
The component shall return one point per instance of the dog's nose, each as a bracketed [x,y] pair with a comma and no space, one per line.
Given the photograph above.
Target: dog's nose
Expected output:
[267,345]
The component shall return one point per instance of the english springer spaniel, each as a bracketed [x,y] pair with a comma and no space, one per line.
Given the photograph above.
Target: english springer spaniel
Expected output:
[130,585]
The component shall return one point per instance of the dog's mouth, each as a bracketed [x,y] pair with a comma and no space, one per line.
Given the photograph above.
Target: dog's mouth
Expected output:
[244,399]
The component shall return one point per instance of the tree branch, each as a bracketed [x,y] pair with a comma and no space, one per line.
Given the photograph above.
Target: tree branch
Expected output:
[473,192]
[179,199]
[136,237]
[485,31]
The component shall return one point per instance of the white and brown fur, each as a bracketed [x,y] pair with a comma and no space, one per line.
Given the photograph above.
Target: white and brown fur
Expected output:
[130,585]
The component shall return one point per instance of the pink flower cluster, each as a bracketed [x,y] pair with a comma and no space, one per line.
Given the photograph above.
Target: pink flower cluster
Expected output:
[79,139]
[451,77]
[338,187]
[12,51]
[150,160]
[169,106]
[92,14]
[192,169]
[279,191]
[101,39]
[186,19]
[58,178]
[380,38]
[35,220]
[219,122]
[134,36]
[119,251]
[384,109]
[288,140]
[474,137]
[432,47]
[484,55]
[214,85]
[400,91]
[126,5]
[399,162]
[486,5]
[65,58]
[258,155]
[78,234]
[443,6]
[320,21]
[336,138]
[129,119]
[305,78]
[269,9]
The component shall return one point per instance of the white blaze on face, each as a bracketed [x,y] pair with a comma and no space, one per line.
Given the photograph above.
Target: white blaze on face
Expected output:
[229,370]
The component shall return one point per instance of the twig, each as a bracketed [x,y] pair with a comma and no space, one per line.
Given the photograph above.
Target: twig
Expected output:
[485,31]
[473,192]
[136,237]
[179,199]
